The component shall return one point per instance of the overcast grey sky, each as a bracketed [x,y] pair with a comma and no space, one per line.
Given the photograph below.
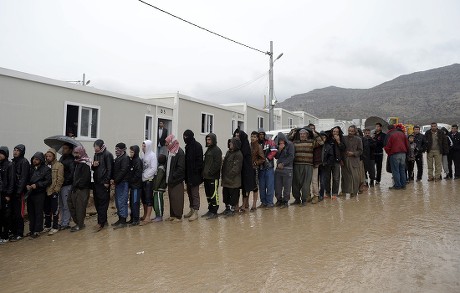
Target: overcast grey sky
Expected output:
[128,47]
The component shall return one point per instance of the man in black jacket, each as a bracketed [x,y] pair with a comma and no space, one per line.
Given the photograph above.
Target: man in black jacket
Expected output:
[6,193]
[193,171]
[161,137]
[81,184]
[22,170]
[120,180]
[379,138]
[420,142]
[454,152]
[102,167]
[211,175]
[40,179]
[135,184]
[68,160]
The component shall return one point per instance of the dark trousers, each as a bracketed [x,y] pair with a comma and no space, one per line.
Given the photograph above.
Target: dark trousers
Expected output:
[456,160]
[35,203]
[410,170]
[176,200]
[327,171]
[5,218]
[77,202]
[134,203]
[231,196]
[283,184]
[193,193]
[211,188]
[51,209]
[158,203]
[419,162]
[147,194]
[101,202]
[378,166]
[17,210]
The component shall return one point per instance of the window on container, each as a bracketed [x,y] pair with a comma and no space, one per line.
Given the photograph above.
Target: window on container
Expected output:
[148,127]
[82,121]
[207,123]
[260,122]
[290,123]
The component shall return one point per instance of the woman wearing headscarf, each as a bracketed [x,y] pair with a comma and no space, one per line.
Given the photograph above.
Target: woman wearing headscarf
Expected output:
[175,177]
[81,184]
[248,180]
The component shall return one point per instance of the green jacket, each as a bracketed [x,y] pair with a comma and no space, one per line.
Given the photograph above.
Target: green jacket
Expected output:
[160,179]
[212,159]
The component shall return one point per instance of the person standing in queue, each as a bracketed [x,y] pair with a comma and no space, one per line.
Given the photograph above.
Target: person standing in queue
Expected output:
[102,167]
[67,159]
[22,172]
[193,172]
[135,184]
[379,138]
[51,207]
[175,176]
[211,175]
[150,165]
[120,180]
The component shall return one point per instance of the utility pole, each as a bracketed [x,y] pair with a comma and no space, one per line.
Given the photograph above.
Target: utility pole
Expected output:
[84,80]
[271,122]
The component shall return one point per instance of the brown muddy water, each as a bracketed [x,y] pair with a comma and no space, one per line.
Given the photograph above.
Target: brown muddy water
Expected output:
[380,241]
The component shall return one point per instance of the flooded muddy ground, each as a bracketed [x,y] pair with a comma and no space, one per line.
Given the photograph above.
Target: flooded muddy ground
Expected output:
[380,241]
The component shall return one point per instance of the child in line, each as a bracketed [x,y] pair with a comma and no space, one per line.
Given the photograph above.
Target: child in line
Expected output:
[159,189]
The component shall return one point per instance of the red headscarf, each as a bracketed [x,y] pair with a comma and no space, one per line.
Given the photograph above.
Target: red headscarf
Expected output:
[83,159]
[173,144]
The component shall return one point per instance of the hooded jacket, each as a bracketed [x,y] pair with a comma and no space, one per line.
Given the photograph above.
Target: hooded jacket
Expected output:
[6,173]
[69,167]
[286,155]
[150,163]
[135,169]
[103,173]
[57,174]
[121,168]
[212,159]
[39,175]
[232,166]
[22,170]
[248,177]
[193,159]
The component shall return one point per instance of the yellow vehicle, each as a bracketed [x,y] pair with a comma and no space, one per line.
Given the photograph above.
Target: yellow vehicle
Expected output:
[395,120]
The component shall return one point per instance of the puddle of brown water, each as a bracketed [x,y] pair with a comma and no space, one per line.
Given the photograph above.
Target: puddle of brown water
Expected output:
[381,241]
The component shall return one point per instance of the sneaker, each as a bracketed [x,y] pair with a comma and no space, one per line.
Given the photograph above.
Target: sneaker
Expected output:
[64,227]
[189,214]
[3,241]
[304,204]
[206,215]
[194,216]
[225,212]
[120,225]
[269,206]
[284,205]
[157,219]
[262,205]
[75,228]
[212,216]
[53,231]
[176,220]
[16,238]
[34,235]
[130,221]
[230,213]
[46,230]
[116,223]
[134,223]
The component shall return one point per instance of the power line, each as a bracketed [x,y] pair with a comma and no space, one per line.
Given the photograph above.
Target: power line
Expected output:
[205,29]
[241,85]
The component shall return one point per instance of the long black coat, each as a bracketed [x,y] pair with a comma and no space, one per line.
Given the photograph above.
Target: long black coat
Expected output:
[248,178]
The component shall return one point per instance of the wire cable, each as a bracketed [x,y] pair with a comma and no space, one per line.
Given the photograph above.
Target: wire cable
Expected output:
[205,29]
[241,85]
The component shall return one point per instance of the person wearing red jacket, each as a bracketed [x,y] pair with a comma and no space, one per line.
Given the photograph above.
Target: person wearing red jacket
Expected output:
[396,149]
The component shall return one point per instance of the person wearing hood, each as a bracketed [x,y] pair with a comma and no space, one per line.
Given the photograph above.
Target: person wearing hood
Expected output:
[81,184]
[120,180]
[6,194]
[22,170]
[40,179]
[193,172]
[283,172]
[332,160]
[248,180]
[51,206]
[267,172]
[211,175]
[150,165]
[67,159]
[135,184]
[102,167]
[175,176]
[231,176]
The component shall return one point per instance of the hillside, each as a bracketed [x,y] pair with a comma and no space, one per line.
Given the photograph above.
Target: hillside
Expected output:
[420,97]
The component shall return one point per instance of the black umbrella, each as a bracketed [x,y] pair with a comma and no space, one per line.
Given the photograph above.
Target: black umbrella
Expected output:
[56,142]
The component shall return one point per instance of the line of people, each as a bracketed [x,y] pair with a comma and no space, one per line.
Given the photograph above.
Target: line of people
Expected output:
[310,165]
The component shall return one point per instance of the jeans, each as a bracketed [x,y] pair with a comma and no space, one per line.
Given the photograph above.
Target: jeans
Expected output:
[398,169]
[63,206]
[267,186]
[121,202]
[134,202]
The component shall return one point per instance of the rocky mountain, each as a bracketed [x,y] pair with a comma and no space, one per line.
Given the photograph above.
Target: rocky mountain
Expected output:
[420,98]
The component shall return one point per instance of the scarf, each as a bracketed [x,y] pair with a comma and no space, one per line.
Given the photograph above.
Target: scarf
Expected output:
[83,157]
[173,144]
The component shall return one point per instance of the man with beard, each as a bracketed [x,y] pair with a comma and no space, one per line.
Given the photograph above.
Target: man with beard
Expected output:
[120,181]
[350,171]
